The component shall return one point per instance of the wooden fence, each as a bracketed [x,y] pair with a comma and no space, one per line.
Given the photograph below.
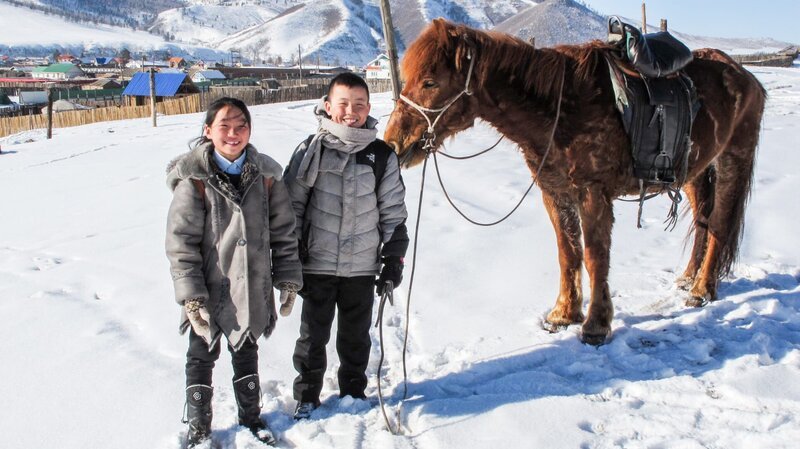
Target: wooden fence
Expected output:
[251,95]
[12,125]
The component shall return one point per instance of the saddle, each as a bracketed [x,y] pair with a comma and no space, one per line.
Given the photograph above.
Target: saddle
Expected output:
[657,102]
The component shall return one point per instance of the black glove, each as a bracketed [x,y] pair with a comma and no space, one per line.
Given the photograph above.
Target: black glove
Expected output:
[392,271]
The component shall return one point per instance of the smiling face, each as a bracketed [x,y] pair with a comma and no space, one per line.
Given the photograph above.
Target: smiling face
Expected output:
[230,132]
[347,105]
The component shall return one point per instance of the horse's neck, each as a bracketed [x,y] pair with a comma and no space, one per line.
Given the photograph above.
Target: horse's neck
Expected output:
[520,108]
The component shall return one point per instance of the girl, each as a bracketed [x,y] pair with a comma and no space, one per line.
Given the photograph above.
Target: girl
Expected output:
[230,238]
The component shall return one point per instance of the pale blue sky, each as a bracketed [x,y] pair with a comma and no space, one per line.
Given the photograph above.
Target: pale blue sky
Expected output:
[778,19]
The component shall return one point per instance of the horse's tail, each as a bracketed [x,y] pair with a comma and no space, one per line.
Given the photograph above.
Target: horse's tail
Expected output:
[750,101]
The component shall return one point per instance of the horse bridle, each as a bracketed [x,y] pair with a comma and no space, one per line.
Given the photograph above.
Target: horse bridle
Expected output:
[430,134]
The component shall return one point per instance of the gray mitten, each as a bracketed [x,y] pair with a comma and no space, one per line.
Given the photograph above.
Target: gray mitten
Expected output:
[288,296]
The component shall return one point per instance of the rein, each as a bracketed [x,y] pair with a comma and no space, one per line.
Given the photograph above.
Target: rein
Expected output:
[429,145]
[388,295]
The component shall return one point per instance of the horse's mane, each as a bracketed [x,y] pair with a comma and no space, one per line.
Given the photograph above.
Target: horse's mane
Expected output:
[537,70]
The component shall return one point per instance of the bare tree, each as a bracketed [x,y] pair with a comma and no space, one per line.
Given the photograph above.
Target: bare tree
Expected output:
[257,49]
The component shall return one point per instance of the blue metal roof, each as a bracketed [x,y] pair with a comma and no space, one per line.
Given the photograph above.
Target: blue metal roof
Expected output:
[167,84]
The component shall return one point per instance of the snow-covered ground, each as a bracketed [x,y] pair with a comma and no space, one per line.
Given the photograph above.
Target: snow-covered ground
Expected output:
[91,356]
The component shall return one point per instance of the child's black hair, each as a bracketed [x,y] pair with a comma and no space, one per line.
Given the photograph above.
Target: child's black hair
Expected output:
[216,106]
[348,79]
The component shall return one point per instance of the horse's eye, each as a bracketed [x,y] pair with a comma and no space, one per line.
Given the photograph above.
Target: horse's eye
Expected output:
[427,84]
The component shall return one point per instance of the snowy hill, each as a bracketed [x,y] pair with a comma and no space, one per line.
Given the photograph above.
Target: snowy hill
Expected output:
[555,22]
[333,31]
[203,24]
[29,32]
[92,359]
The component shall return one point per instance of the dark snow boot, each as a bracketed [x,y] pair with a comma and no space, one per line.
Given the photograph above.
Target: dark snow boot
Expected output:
[248,397]
[197,414]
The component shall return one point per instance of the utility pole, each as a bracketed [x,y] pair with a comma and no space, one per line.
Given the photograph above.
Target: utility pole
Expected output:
[391,48]
[644,19]
[50,110]
[300,62]
[153,95]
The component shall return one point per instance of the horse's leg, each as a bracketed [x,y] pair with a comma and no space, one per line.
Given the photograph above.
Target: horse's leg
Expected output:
[700,193]
[597,218]
[566,223]
[734,177]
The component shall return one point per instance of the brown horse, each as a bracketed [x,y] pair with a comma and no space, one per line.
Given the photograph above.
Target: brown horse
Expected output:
[519,90]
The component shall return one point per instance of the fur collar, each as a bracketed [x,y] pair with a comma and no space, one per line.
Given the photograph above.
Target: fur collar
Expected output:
[198,164]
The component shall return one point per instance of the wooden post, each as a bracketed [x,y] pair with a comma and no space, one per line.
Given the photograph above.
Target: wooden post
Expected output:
[663,24]
[644,19]
[300,62]
[49,110]
[391,48]
[153,95]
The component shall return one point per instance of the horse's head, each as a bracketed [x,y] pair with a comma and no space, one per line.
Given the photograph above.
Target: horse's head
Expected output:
[437,69]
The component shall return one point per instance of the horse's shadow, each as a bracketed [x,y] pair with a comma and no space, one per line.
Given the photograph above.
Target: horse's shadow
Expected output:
[686,342]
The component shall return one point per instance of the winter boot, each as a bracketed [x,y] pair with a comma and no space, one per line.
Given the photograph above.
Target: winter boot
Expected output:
[304,409]
[197,414]
[248,397]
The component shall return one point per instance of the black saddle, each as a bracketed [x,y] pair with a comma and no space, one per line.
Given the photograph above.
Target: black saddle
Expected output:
[657,102]
[653,55]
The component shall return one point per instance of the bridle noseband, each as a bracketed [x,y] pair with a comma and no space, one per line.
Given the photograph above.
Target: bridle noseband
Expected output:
[430,135]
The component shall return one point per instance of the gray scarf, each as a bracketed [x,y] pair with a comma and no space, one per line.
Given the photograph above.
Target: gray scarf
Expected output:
[334,136]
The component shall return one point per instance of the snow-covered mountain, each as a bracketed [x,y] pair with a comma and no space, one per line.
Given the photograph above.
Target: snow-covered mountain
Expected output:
[555,22]
[329,31]
[26,32]
[206,22]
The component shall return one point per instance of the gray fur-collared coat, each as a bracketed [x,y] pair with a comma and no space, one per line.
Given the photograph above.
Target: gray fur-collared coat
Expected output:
[230,248]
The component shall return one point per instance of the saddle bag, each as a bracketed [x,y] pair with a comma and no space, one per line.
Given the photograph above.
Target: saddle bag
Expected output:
[657,115]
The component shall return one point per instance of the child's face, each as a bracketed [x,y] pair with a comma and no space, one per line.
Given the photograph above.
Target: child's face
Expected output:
[229,132]
[348,106]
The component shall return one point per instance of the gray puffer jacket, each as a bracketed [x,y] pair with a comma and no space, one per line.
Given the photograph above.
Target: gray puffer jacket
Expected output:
[345,225]
[229,246]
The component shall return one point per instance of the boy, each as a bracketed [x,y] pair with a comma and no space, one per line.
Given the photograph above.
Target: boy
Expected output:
[348,199]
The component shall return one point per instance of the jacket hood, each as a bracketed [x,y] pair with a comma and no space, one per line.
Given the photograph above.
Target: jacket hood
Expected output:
[197,164]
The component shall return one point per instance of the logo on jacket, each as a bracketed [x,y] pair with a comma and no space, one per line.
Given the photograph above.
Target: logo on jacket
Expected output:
[371,157]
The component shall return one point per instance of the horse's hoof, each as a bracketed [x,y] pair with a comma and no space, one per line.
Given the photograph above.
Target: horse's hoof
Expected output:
[554,328]
[594,339]
[696,301]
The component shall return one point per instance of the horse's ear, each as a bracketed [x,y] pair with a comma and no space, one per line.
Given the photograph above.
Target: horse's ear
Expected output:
[439,23]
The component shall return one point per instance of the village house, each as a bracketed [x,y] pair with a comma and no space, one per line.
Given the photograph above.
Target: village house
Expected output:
[103,83]
[63,71]
[177,63]
[170,85]
[138,64]
[67,58]
[378,68]
[207,75]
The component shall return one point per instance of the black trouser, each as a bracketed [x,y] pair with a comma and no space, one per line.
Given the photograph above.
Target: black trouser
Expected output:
[321,295]
[200,362]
